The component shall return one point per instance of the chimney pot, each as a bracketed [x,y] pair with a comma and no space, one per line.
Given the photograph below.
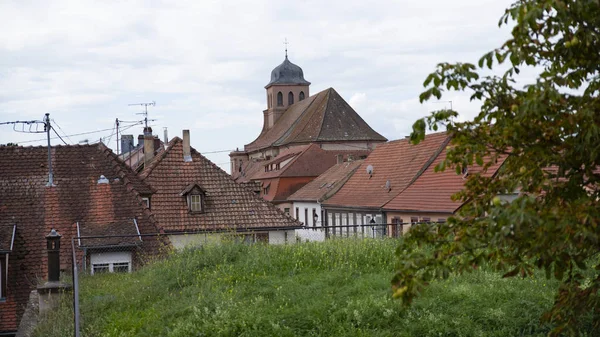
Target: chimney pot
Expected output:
[187,153]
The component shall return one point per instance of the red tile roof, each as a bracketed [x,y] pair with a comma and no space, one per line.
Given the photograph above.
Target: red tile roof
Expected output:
[77,197]
[398,162]
[227,205]
[327,183]
[324,117]
[432,191]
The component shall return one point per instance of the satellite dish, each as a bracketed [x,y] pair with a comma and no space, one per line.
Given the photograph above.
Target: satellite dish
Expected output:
[388,185]
[370,170]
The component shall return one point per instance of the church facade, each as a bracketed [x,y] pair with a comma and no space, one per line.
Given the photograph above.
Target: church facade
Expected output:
[292,120]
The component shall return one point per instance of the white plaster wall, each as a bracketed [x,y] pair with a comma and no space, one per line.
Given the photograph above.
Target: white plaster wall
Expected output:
[308,205]
[180,242]
[281,237]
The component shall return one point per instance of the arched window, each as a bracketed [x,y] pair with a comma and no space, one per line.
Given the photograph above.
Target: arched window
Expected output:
[279,99]
[290,98]
[301,96]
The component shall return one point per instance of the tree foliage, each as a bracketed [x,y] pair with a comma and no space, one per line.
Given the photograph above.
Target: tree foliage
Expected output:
[549,130]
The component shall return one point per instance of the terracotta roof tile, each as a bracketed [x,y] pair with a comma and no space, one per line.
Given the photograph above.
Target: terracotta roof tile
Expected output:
[77,197]
[227,204]
[323,117]
[398,161]
[327,183]
[432,191]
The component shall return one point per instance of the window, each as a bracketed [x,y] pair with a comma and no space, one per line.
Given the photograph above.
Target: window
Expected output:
[121,267]
[301,96]
[305,216]
[195,203]
[426,219]
[315,217]
[414,220]
[3,275]
[441,220]
[100,268]
[146,201]
[297,213]
[111,262]
[286,210]
[290,98]
[279,99]
[267,189]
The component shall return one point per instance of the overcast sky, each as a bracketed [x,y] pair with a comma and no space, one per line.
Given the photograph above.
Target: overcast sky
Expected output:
[206,63]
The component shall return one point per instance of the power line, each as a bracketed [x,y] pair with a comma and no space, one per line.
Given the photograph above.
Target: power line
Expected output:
[73,135]
[53,129]
[61,130]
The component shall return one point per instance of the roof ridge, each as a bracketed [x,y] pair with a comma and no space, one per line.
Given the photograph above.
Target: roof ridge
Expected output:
[326,107]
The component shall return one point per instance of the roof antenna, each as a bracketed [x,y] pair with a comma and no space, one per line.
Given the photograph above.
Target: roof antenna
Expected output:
[286,44]
[35,126]
[145,113]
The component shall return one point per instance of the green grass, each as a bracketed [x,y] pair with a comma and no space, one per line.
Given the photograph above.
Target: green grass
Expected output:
[334,288]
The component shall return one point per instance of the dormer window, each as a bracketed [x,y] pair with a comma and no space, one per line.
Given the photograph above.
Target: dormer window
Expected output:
[194,195]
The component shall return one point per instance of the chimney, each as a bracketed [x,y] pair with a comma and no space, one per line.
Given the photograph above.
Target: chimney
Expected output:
[339,158]
[51,291]
[148,145]
[187,153]
[126,143]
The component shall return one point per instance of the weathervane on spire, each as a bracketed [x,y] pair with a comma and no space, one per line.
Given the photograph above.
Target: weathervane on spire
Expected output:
[286,44]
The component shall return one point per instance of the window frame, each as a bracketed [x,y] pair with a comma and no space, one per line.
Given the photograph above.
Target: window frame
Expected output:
[192,204]
[146,200]
[301,96]
[290,98]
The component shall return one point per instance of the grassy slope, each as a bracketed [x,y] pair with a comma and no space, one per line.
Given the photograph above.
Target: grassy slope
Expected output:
[335,288]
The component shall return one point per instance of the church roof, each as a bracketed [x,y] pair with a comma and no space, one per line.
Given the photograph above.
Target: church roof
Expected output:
[287,73]
[324,117]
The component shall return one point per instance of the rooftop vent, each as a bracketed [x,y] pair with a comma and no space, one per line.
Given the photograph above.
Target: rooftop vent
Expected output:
[370,171]
[102,180]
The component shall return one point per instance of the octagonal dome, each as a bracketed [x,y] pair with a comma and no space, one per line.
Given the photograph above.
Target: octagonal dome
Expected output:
[287,73]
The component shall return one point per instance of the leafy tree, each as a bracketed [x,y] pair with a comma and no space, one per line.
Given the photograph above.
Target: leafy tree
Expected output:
[549,130]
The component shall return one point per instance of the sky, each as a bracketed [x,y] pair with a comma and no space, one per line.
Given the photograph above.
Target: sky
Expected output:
[205,63]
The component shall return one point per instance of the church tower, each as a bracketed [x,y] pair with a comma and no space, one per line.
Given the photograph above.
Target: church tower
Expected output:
[286,87]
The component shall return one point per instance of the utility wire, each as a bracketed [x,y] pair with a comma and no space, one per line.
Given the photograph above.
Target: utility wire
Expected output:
[61,130]
[73,135]
[53,129]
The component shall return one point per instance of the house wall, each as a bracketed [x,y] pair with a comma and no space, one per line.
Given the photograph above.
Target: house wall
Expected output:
[354,217]
[282,237]
[308,207]
[180,242]
[406,217]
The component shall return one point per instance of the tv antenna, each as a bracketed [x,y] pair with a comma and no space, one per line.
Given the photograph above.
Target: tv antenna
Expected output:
[145,113]
[37,126]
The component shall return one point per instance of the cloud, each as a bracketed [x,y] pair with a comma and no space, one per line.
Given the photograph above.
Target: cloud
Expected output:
[205,63]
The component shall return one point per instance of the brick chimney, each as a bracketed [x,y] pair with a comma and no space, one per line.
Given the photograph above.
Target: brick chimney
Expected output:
[187,153]
[148,145]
